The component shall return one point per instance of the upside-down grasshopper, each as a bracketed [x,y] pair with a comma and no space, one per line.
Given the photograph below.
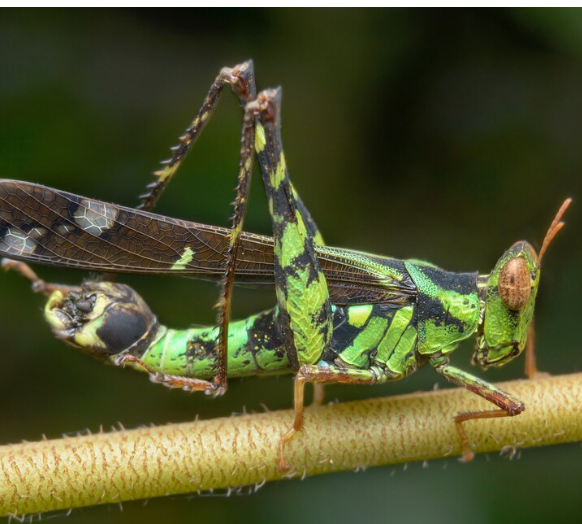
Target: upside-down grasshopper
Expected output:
[341,316]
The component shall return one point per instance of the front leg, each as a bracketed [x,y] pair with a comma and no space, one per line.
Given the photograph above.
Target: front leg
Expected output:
[510,405]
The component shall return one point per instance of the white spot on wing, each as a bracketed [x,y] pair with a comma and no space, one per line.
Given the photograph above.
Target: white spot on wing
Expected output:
[17,242]
[95,218]
[64,229]
[37,232]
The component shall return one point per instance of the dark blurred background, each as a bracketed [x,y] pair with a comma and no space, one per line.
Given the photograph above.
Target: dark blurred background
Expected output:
[444,135]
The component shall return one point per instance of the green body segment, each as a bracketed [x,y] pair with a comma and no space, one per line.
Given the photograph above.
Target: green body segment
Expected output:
[448,307]
[254,348]
[392,339]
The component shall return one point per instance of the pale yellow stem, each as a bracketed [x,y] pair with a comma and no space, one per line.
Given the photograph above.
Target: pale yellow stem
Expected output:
[236,451]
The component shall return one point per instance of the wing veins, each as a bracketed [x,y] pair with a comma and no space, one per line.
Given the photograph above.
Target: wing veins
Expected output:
[255,257]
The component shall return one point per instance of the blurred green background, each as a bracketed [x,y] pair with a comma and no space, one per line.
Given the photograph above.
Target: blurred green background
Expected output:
[444,135]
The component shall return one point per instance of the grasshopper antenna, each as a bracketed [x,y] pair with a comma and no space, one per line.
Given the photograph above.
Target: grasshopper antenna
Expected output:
[555,226]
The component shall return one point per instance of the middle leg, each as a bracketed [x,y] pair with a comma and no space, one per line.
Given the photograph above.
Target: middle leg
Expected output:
[320,375]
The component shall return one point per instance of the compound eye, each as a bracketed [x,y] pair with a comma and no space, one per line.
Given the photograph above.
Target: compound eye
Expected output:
[515,284]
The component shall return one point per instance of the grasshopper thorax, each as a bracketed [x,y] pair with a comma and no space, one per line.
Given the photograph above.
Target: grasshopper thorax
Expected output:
[509,295]
[101,318]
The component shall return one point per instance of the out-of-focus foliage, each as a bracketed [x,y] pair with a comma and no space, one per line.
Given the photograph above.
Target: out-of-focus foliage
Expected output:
[435,134]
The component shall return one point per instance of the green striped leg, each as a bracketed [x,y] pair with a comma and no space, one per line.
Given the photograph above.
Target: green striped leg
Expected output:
[510,405]
[305,316]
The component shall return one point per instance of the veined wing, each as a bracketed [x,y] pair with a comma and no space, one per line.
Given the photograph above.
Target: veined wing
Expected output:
[47,226]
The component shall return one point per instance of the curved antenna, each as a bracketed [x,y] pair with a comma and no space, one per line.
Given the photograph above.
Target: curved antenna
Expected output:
[555,226]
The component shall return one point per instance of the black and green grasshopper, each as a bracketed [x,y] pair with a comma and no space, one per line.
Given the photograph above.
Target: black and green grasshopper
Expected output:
[341,315]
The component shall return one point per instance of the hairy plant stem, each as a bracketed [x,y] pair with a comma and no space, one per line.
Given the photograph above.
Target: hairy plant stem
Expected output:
[242,450]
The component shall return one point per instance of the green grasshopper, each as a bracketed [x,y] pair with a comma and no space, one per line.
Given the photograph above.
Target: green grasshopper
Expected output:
[342,316]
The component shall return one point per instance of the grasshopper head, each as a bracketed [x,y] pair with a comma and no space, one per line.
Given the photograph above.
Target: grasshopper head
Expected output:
[100,318]
[510,297]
